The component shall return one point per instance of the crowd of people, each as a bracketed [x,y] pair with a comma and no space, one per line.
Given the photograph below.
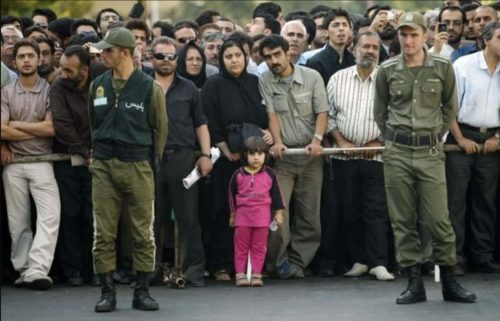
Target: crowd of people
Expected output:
[126,109]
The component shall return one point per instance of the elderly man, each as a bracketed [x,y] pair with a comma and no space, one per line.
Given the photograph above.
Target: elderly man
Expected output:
[415,101]
[359,177]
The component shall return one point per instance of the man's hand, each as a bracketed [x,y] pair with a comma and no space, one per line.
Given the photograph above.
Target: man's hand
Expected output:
[232,157]
[278,151]
[440,39]
[469,146]
[279,218]
[490,145]
[268,138]
[231,219]
[372,153]
[342,143]
[379,22]
[314,149]
[6,155]
[204,165]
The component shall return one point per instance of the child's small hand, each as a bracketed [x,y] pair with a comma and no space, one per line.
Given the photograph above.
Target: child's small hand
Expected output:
[231,220]
[279,218]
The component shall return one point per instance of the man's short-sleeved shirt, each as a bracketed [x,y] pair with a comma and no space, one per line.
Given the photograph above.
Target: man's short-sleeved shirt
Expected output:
[296,108]
[29,105]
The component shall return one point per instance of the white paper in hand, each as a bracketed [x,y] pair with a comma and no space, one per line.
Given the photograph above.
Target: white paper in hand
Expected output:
[195,175]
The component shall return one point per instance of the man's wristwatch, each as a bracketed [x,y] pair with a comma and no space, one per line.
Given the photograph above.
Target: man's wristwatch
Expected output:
[318,137]
[209,156]
[381,138]
[497,135]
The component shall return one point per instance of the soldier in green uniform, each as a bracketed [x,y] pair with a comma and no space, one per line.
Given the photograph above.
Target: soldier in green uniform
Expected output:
[415,101]
[128,115]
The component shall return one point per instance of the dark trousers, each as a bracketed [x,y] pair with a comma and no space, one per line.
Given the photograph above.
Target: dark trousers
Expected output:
[479,174]
[329,252]
[363,210]
[184,204]
[221,249]
[75,230]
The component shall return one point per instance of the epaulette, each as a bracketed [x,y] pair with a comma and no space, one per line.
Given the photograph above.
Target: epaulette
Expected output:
[390,62]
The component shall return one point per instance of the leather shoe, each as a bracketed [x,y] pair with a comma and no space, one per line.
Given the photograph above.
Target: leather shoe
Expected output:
[488,267]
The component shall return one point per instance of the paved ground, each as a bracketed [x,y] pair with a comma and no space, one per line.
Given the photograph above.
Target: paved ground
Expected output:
[308,299]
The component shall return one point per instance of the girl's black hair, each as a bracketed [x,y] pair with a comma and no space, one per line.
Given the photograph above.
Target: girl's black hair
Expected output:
[254,144]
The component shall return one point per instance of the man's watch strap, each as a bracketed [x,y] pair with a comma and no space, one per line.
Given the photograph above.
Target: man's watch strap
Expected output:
[209,156]
[318,137]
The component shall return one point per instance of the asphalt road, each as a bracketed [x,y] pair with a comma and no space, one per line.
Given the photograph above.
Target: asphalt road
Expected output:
[308,299]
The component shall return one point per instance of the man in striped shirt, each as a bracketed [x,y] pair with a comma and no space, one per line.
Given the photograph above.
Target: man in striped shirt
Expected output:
[364,211]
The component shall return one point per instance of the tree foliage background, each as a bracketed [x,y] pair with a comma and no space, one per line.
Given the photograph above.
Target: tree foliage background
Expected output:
[238,11]
[72,9]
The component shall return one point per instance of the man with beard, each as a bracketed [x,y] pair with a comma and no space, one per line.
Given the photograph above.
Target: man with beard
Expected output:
[27,128]
[211,44]
[415,101]
[69,101]
[295,34]
[297,108]
[445,42]
[384,23]
[47,70]
[482,16]
[359,176]
[188,132]
[335,56]
[470,11]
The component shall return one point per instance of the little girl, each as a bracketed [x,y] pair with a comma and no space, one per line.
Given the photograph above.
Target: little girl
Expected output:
[253,193]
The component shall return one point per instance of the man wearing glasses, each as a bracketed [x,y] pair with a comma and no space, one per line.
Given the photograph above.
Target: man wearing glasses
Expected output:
[128,120]
[185,31]
[188,132]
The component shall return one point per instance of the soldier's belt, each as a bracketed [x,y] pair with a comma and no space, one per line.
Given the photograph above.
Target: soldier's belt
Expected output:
[412,139]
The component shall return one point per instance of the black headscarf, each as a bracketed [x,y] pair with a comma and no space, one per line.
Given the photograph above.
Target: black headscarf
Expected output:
[198,80]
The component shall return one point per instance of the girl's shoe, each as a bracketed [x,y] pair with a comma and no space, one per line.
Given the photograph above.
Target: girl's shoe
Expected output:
[257,280]
[241,280]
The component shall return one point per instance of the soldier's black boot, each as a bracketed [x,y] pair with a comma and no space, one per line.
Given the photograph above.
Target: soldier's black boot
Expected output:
[142,300]
[107,303]
[415,292]
[452,291]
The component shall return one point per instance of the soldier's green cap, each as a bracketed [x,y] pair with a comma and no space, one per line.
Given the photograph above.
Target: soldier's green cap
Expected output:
[117,37]
[413,20]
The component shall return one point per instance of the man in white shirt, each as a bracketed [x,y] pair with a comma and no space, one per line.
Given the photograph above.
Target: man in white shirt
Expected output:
[361,175]
[477,170]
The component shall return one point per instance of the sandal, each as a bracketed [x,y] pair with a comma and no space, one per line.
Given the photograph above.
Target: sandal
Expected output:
[257,280]
[222,275]
[241,280]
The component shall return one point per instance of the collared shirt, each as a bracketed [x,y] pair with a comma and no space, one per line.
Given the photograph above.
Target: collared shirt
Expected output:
[351,108]
[478,91]
[8,75]
[185,114]
[71,119]
[327,62]
[296,108]
[446,50]
[418,100]
[464,51]
[30,105]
